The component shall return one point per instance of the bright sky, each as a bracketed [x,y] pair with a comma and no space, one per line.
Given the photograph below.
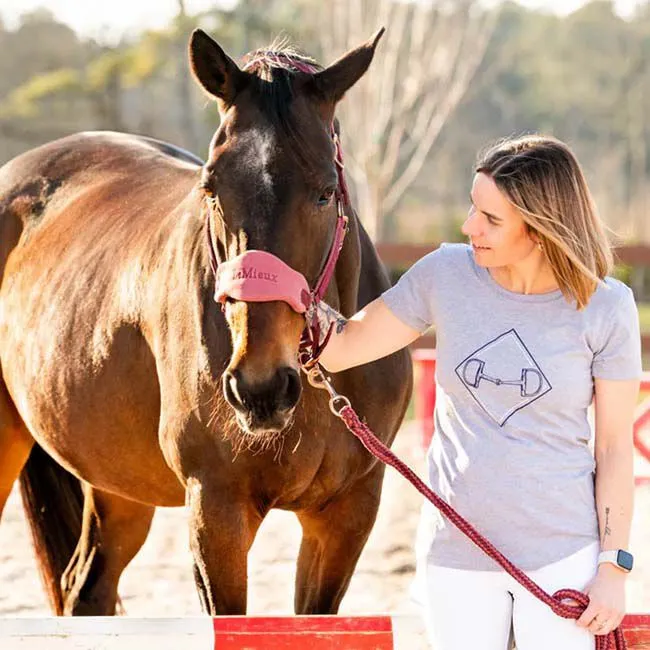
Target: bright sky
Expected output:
[109,19]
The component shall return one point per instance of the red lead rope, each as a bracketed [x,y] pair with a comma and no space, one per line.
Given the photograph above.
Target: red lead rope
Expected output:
[612,641]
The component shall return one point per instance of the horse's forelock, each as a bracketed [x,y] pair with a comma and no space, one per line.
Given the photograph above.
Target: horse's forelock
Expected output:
[280,55]
[276,70]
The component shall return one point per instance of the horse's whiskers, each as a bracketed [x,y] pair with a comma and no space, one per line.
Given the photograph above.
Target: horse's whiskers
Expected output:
[256,444]
[293,451]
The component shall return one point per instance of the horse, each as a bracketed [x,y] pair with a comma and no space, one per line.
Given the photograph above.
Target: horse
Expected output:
[124,386]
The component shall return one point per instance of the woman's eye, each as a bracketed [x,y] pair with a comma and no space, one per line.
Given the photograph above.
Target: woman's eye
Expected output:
[325,197]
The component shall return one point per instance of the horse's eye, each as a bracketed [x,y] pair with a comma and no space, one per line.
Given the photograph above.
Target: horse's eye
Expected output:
[325,198]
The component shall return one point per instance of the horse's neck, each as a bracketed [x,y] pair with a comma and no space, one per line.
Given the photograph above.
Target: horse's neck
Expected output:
[194,325]
[360,275]
[348,269]
[184,254]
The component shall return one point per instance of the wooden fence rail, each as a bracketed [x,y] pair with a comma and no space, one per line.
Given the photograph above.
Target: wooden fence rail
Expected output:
[404,255]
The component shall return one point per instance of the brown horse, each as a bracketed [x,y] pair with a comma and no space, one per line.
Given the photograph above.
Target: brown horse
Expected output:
[123,385]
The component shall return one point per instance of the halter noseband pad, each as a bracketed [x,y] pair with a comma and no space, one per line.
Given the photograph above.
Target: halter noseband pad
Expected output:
[257,276]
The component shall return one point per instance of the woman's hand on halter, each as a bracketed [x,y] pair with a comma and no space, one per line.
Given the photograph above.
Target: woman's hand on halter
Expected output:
[323,322]
[325,316]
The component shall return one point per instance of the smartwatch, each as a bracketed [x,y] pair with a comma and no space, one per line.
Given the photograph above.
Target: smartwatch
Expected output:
[622,559]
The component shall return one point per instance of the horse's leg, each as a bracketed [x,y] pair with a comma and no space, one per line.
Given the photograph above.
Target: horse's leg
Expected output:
[332,541]
[15,444]
[222,531]
[113,531]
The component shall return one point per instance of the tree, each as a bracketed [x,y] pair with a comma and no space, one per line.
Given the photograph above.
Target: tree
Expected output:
[395,114]
[183,27]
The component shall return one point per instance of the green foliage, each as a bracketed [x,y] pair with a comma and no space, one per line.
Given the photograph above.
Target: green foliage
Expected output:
[146,58]
[103,69]
[133,66]
[584,78]
[623,272]
[25,100]
[644,317]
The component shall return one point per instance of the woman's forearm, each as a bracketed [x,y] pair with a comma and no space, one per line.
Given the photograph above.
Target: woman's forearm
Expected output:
[370,334]
[346,347]
[615,496]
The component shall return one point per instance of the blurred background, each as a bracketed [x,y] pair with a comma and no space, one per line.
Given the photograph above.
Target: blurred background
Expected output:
[450,77]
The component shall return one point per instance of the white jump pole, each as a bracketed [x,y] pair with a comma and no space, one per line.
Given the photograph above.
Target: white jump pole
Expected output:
[220,633]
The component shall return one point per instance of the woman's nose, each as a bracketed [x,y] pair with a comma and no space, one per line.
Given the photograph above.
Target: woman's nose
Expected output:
[470,226]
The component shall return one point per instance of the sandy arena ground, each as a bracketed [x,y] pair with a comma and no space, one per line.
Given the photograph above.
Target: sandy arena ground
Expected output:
[159,581]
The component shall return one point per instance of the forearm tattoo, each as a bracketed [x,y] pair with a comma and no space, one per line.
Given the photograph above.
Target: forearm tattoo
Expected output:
[328,315]
[606,529]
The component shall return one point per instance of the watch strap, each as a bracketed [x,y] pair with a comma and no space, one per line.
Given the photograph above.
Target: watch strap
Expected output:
[618,557]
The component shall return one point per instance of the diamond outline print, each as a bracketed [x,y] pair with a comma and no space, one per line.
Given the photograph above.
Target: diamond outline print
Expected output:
[543,388]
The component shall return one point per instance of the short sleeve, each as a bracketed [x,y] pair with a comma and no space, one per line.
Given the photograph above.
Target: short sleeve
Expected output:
[619,354]
[411,299]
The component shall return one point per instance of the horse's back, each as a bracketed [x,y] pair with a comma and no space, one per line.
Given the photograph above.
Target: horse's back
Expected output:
[110,167]
[88,150]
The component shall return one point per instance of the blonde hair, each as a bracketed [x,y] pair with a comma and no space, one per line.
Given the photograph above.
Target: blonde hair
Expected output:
[542,178]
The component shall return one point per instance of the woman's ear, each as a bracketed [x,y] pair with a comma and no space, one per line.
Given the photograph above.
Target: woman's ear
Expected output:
[535,238]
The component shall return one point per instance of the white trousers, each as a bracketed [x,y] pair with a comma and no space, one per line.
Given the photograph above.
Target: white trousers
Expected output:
[471,610]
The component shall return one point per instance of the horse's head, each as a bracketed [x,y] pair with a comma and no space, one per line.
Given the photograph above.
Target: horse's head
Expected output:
[271,184]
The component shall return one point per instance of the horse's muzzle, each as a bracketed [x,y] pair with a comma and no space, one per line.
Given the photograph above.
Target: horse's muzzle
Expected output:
[267,405]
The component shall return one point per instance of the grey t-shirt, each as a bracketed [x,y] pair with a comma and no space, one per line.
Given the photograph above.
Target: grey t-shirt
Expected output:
[514,376]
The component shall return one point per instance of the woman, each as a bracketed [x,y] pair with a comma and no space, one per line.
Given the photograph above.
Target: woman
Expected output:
[529,330]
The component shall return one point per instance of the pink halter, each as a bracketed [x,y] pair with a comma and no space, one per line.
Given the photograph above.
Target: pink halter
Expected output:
[257,276]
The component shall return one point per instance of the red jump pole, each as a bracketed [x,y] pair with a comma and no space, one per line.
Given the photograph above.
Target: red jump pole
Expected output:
[304,632]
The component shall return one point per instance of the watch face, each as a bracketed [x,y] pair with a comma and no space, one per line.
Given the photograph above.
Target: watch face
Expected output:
[625,560]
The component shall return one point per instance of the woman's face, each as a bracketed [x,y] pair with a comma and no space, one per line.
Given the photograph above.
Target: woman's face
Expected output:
[495,227]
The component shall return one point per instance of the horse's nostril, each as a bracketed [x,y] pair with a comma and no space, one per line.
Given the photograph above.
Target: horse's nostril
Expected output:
[291,388]
[231,390]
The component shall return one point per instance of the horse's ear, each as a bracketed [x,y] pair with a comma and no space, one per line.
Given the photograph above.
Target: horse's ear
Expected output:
[333,82]
[215,71]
